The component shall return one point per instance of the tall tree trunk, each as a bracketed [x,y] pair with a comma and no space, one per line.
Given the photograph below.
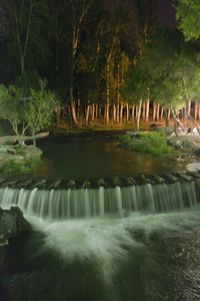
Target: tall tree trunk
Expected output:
[93,112]
[133,113]
[166,120]
[195,110]
[71,96]
[114,113]
[147,110]
[169,114]
[161,113]
[138,115]
[158,112]
[154,111]
[118,112]
[127,112]
[189,107]
[87,114]
[107,92]
[144,110]
[121,112]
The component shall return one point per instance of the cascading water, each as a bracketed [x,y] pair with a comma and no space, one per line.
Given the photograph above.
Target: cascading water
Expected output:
[87,202]
[113,244]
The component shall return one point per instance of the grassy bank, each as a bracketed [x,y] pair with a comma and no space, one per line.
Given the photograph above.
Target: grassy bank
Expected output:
[154,143]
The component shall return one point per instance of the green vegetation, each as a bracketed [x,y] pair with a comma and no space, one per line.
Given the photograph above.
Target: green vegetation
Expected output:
[24,166]
[26,109]
[23,160]
[152,143]
[188,15]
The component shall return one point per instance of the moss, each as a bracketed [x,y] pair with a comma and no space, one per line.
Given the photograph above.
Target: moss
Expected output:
[19,166]
[25,159]
[154,143]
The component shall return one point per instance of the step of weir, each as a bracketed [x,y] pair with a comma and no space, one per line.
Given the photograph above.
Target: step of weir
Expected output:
[136,180]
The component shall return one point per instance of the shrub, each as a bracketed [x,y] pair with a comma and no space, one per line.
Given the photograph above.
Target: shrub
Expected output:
[153,143]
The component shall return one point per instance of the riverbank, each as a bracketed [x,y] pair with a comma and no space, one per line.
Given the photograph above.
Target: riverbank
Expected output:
[18,158]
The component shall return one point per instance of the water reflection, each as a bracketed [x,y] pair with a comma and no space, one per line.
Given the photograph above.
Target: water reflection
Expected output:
[93,158]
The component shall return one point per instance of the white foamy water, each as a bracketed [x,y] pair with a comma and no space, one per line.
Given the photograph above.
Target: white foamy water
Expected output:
[107,241]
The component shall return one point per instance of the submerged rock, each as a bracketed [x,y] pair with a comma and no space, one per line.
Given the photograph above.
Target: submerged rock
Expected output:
[193,167]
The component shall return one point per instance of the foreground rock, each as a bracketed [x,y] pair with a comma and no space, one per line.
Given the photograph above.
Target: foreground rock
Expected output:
[12,224]
[187,142]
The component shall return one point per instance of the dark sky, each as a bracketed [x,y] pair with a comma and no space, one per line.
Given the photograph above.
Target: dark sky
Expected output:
[166,12]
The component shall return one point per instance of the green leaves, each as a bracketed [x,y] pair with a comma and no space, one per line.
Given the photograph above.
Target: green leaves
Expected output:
[40,106]
[27,109]
[188,14]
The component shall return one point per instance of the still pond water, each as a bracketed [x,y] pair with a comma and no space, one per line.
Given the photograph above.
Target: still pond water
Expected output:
[84,158]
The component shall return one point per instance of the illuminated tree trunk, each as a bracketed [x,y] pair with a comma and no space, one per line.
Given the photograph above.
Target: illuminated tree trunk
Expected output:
[87,114]
[195,110]
[189,107]
[93,112]
[161,113]
[107,91]
[118,112]
[114,113]
[157,112]
[144,111]
[147,110]
[138,115]
[127,112]
[154,111]
[169,114]
[121,112]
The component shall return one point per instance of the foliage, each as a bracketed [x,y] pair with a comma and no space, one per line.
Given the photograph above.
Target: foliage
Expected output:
[40,108]
[15,166]
[21,23]
[152,143]
[25,107]
[188,15]
[13,108]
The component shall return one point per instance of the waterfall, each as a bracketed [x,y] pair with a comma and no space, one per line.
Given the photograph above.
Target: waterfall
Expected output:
[101,202]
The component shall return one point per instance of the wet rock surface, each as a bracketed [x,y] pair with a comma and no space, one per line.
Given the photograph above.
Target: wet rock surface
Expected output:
[12,223]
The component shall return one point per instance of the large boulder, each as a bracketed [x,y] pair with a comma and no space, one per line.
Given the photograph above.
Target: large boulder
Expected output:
[12,223]
[193,167]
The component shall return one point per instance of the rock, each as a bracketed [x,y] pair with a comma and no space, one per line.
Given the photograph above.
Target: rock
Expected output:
[193,167]
[12,223]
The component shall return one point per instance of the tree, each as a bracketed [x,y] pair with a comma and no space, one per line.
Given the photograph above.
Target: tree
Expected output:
[20,23]
[13,106]
[39,109]
[188,15]
[138,87]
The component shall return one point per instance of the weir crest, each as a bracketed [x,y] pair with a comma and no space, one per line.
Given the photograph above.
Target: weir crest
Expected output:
[116,197]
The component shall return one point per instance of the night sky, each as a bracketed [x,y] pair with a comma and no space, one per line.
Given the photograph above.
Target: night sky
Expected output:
[166,12]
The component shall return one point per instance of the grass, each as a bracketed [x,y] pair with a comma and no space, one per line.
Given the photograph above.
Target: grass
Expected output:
[14,166]
[153,143]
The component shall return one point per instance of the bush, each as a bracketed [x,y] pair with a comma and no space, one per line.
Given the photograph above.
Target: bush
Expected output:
[153,143]
[29,158]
